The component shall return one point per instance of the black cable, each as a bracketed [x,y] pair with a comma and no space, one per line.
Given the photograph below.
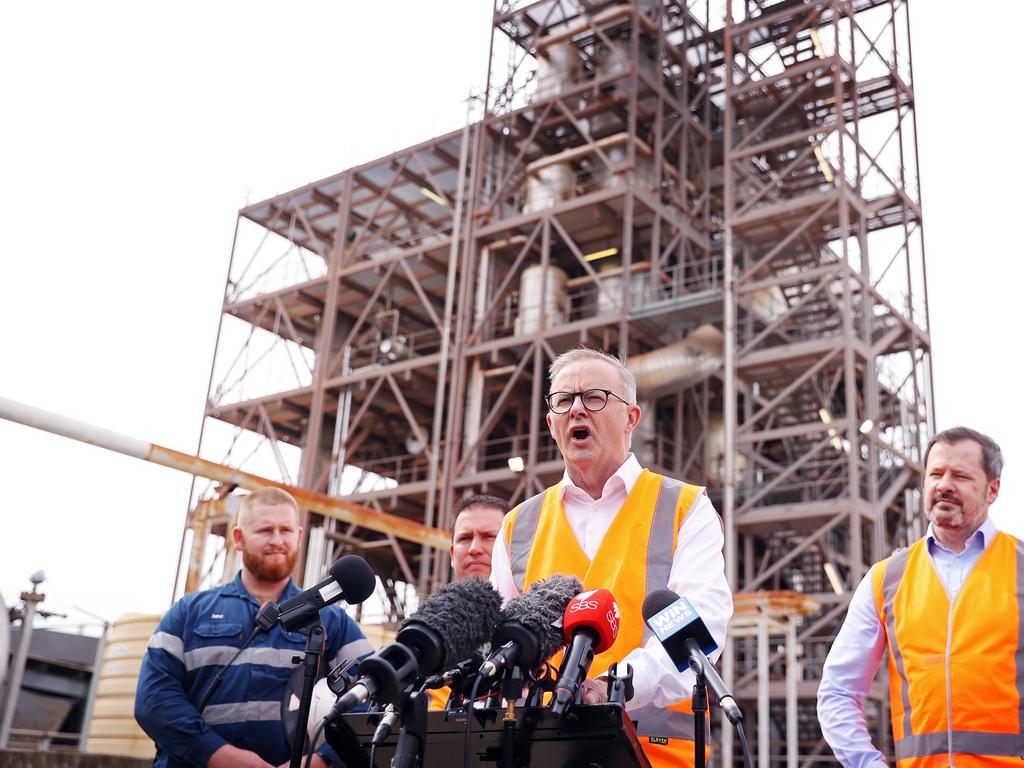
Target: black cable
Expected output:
[469,720]
[312,742]
[743,744]
[266,618]
[208,693]
[373,755]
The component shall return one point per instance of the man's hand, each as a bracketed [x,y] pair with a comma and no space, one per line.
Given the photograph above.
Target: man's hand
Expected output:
[595,691]
[229,756]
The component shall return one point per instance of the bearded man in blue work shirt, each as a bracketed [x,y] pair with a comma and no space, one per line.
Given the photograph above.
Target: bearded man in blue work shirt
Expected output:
[241,724]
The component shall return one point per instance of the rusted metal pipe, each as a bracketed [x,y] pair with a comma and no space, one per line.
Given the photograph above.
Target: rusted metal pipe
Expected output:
[328,506]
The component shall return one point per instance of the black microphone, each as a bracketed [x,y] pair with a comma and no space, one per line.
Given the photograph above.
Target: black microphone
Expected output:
[382,676]
[351,579]
[687,640]
[532,628]
[451,625]
[265,620]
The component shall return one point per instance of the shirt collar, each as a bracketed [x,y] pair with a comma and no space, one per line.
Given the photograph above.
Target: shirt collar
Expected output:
[625,476]
[236,588]
[980,539]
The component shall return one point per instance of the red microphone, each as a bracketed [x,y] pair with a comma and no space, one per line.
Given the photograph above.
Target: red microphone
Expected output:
[591,624]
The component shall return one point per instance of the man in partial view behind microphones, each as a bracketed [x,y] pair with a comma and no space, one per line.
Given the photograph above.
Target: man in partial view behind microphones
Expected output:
[619,527]
[215,671]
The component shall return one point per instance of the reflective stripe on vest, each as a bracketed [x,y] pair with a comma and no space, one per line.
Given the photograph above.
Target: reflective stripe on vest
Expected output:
[661,545]
[951,740]
[527,517]
[652,721]
[895,567]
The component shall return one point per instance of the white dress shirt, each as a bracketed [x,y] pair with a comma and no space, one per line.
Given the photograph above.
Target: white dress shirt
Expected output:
[698,575]
[857,652]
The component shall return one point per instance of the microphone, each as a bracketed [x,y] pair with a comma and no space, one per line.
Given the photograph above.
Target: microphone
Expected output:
[531,630]
[451,625]
[351,579]
[686,639]
[591,624]
[382,676]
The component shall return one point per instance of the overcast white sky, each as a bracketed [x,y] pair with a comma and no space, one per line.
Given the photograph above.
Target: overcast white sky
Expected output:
[130,134]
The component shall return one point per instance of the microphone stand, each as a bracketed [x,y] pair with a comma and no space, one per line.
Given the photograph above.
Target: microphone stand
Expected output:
[413,735]
[512,689]
[311,663]
[699,704]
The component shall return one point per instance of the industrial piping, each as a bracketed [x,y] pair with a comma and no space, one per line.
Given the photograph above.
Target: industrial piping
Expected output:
[365,517]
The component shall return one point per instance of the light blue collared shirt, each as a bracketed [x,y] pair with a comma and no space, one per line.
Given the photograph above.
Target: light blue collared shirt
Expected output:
[857,652]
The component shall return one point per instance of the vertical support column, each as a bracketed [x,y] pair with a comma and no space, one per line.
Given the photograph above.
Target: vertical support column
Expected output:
[94,682]
[17,669]
[442,374]
[763,733]
[792,681]
[200,530]
[729,381]
[308,469]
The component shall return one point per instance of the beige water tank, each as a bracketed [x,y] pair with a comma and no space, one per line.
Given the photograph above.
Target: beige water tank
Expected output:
[552,281]
[113,730]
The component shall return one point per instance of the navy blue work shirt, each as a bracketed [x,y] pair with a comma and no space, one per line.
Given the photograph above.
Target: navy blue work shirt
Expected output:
[199,634]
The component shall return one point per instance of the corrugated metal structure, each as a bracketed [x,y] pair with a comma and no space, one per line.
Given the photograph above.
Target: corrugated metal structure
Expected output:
[727,198]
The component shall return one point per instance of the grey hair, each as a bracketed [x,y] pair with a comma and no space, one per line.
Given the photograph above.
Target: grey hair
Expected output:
[586,353]
[991,454]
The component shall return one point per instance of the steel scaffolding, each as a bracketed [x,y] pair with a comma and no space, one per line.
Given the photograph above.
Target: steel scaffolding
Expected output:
[727,197]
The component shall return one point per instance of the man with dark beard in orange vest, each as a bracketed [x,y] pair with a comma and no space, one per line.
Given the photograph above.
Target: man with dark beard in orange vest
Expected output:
[948,609]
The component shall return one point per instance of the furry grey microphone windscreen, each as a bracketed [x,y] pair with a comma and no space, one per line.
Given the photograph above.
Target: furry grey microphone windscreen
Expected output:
[463,613]
[541,610]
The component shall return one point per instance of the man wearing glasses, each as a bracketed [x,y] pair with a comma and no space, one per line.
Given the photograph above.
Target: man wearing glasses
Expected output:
[621,527]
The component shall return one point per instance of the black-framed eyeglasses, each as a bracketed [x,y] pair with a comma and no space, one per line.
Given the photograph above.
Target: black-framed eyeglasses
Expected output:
[593,400]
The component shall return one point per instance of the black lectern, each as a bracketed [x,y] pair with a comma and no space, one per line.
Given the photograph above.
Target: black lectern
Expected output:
[597,736]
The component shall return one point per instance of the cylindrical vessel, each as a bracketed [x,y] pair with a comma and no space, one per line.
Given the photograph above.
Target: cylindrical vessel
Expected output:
[113,730]
[535,280]
[548,184]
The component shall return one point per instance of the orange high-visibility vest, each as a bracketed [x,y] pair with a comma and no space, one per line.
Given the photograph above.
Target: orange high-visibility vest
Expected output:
[956,670]
[438,698]
[633,560]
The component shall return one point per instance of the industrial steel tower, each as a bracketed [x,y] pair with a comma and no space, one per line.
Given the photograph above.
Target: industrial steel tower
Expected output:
[727,198]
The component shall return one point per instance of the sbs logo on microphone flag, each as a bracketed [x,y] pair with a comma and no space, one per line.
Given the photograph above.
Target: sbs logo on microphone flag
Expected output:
[582,602]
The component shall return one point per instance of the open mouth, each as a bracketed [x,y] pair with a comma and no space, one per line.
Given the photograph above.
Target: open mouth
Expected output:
[579,433]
